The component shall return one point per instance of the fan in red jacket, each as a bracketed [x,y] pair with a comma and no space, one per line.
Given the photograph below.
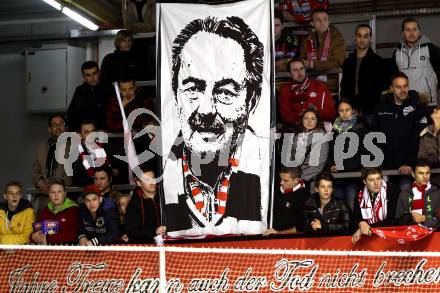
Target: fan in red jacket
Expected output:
[301,93]
[59,221]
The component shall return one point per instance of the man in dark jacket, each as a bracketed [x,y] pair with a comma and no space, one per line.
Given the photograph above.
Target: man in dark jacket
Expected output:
[142,220]
[419,203]
[289,203]
[99,219]
[401,117]
[363,74]
[375,204]
[89,102]
[121,62]
[322,212]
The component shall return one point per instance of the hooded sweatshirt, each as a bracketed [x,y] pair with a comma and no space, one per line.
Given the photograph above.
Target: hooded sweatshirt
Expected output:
[16,226]
[67,216]
[421,64]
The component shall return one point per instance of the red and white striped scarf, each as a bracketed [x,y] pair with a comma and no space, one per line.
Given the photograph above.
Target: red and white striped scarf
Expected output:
[300,184]
[311,48]
[203,194]
[418,202]
[301,88]
[377,211]
[98,157]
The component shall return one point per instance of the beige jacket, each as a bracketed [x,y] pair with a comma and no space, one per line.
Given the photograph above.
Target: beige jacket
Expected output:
[39,166]
[337,50]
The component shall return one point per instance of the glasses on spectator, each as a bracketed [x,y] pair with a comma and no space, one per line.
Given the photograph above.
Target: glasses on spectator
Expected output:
[57,125]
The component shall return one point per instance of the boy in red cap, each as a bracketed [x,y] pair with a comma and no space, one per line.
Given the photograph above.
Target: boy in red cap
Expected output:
[99,219]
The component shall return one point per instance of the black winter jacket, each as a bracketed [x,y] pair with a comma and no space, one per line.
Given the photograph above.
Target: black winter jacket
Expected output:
[401,125]
[105,229]
[89,103]
[142,218]
[118,65]
[335,217]
[372,80]
[289,209]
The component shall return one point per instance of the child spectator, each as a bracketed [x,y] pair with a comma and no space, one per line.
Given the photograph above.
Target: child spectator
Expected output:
[99,219]
[143,220]
[16,216]
[122,200]
[322,212]
[289,203]
[61,210]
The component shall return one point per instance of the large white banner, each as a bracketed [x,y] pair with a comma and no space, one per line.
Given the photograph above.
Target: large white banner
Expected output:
[215,95]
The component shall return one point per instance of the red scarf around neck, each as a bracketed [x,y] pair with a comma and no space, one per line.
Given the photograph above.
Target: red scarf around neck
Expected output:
[312,50]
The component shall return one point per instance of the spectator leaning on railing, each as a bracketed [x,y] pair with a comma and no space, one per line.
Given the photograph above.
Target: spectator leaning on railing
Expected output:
[420,202]
[375,204]
[16,216]
[61,211]
[289,203]
[322,212]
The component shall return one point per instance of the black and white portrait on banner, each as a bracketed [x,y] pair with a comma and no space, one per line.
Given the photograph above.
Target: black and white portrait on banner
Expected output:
[215,108]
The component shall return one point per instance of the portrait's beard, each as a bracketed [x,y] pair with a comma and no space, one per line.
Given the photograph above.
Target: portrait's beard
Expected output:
[208,135]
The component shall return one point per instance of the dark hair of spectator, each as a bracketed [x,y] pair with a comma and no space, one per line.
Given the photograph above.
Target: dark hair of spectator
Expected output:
[324,176]
[363,25]
[346,101]
[366,171]
[12,183]
[106,169]
[318,10]
[89,65]
[233,28]
[86,122]
[49,121]
[279,15]
[126,79]
[120,36]
[56,181]
[410,19]
[396,75]
[145,168]
[294,172]
[421,163]
[292,61]
[319,122]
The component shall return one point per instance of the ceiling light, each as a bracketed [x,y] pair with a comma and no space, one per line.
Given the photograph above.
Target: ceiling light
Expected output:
[82,20]
[54,4]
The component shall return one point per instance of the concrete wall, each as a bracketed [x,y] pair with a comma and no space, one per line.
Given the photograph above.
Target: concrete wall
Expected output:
[20,131]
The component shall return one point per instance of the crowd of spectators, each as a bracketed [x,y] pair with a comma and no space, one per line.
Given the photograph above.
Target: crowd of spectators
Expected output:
[399,101]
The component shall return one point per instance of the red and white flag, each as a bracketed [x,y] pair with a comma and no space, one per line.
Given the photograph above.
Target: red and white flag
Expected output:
[403,234]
